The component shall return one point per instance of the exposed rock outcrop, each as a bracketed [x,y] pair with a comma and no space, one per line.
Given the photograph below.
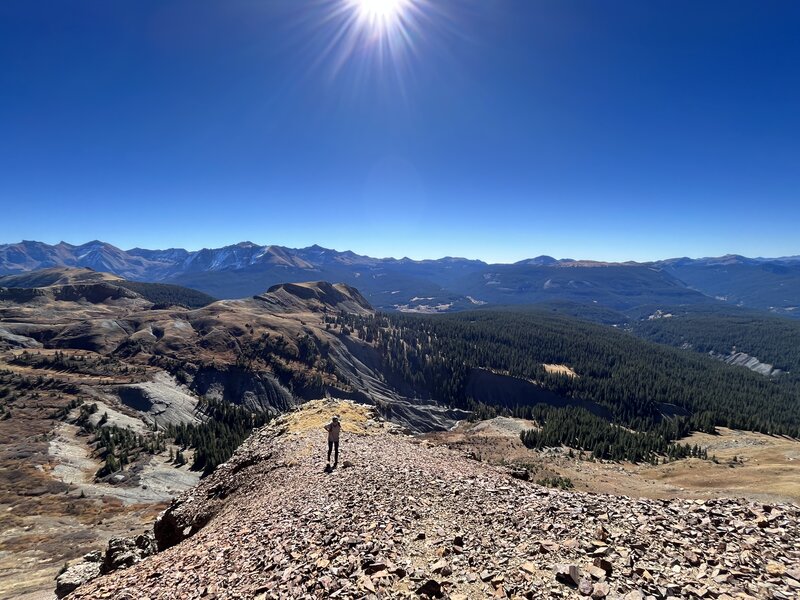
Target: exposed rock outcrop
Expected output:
[121,553]
[161,400]
[75,576]
[12,340]
[126,552]
[255,391]
[742,359]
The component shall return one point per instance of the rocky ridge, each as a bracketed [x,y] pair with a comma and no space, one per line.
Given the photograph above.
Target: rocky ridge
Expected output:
[400,518]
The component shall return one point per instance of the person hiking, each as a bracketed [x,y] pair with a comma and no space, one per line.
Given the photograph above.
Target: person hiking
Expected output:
[333,428]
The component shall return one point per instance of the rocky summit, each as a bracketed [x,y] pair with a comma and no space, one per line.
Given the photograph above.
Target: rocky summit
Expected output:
[400,518]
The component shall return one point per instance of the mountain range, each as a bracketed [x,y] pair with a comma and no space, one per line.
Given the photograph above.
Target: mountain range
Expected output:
[441,285]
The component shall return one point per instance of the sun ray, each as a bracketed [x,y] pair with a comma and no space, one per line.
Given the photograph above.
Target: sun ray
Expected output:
[380,15]
[377,44]
[380,33]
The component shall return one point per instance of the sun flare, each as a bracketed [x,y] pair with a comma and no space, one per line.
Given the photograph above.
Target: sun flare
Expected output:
[380,14]
[377,36]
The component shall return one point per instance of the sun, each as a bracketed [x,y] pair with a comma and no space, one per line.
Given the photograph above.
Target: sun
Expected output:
[377,36]
[380,14]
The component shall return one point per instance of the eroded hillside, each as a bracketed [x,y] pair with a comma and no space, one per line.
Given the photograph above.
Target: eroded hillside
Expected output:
[265,352]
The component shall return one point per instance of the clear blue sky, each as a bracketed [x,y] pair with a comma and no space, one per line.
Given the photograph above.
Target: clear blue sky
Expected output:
[499,130]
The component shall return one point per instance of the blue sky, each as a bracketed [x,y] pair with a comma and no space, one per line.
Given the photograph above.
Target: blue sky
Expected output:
[501,130]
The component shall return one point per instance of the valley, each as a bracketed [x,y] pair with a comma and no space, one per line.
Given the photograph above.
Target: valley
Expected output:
[54,506]
[115,398]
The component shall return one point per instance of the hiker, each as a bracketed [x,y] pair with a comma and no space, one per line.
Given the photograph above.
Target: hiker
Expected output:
[333,428]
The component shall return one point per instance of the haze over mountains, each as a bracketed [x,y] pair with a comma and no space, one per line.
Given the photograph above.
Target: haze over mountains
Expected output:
[441,285]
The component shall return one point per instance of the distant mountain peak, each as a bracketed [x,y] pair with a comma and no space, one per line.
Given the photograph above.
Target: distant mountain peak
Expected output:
[542,260]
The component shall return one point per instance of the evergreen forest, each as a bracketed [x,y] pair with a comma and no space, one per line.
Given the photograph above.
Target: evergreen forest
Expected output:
[653,394]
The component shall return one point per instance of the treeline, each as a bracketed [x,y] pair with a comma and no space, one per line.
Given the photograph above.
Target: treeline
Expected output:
[26,383]
[164,295]
[579,429]
[72,362]
[117,446]
[636,380]
[215,439]
[122,446]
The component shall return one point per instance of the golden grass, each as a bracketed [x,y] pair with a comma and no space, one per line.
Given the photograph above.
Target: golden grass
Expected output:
[313,415]
[559,370]
[766,468]
[749,464]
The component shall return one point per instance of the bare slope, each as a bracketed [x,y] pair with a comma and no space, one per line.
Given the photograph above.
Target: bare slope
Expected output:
[55,276]
[52,509]
[316,295]
[402,519]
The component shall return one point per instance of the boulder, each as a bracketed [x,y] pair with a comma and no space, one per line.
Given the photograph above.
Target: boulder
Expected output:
[126,552]
[522,474]
[601,533]
[568,574]
[600,590]
[76,576]
[692,558]
[442,568]
[431,588]
[604,564]
[585,587]
[775,568]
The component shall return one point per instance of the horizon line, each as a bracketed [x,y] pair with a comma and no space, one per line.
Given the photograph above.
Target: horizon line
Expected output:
[528,258]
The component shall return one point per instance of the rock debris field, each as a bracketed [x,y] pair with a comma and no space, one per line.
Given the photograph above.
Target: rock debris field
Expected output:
[401,519]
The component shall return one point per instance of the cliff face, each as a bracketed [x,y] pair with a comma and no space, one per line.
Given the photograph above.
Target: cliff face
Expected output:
[399,518]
